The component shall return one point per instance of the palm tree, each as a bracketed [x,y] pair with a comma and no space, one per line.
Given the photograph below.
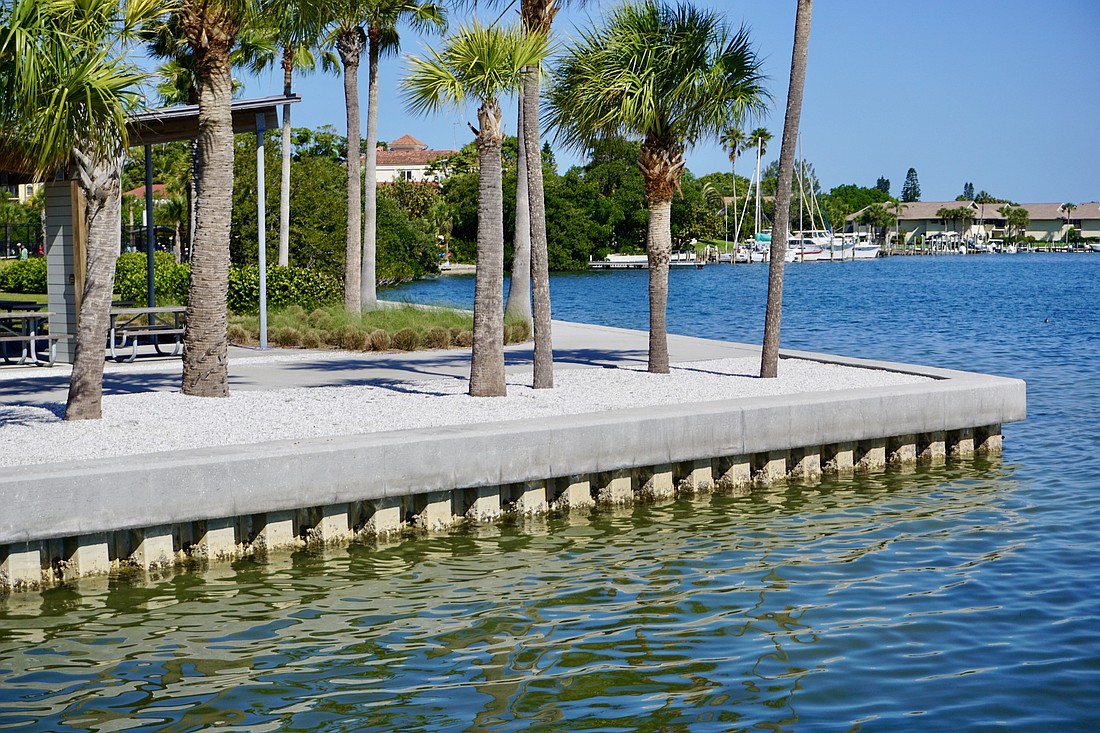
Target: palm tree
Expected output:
[382,19]
[538,17]
[295,29]
[759,138]
[734,140]
[769,354]
[67,88]
[370,25]
[898,207]
[350,40]
[211,28]
[669,75]
[1067,210]
[480,63]
[518,305]
[948,215]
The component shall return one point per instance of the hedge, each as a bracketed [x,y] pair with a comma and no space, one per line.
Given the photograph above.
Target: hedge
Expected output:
[24,276]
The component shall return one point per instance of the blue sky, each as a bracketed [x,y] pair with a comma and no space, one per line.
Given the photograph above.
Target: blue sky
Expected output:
[1003,93]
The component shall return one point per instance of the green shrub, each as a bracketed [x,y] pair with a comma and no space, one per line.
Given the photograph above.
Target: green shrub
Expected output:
[170,279]
[286,286]
[24,276]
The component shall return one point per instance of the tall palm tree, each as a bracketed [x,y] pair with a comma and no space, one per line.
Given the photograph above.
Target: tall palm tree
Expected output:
[769,353]
[759,139]
[67,88]
[350,39]
[382,19]
[898,207]
[518,305]
[370,25]
[733,140]
[482,64]
[293,30]
[211,28]
[1067,211]
[668,75]
[538,17]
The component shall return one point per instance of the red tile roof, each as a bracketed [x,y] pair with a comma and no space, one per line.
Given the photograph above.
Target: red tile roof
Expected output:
[160,191]
[410,157]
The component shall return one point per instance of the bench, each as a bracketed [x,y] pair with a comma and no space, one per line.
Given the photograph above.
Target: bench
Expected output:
[129,325]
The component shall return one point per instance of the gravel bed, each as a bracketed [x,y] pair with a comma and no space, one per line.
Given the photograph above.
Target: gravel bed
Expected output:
[165,421]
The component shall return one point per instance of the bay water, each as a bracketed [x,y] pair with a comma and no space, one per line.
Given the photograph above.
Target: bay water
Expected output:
[961,597]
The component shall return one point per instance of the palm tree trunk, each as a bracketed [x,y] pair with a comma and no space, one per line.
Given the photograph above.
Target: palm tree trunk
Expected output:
[487,360]
[769,354]
[658,251]
[368,286]
[102,214]
[543,374]
[519,292]
[350,46]
[205,346]
[284,180]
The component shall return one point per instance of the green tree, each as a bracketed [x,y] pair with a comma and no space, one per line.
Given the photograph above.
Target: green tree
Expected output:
[67,87]
[910,190]
[844,200]
[883,184]
[481,63]
[968,192]
[669,76]
[769,353]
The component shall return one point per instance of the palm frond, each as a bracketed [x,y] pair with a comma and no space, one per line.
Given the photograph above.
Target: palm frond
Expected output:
[479,62]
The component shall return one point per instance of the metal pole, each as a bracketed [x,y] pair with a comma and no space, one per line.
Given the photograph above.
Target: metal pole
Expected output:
[261,226]
[149,238]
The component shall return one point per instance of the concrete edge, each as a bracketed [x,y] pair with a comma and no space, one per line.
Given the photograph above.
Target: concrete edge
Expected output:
[85,497]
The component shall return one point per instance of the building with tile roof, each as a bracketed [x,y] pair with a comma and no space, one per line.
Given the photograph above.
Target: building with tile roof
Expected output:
[409,159]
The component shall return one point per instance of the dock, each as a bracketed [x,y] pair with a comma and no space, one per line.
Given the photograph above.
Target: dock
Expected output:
[69,519]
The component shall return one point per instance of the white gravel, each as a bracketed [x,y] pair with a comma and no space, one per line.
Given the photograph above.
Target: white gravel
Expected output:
[164,421]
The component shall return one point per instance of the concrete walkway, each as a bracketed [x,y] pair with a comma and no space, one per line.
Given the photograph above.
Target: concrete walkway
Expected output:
[576,345]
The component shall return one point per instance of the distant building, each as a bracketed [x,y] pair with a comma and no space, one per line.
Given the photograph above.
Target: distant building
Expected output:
[22,192]
[1048,222]
[408,159]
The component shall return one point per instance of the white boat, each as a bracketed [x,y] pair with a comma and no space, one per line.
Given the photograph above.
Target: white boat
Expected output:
[805,250]
[678,258]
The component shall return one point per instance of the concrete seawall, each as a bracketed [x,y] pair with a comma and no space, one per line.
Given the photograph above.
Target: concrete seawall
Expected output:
[62,521]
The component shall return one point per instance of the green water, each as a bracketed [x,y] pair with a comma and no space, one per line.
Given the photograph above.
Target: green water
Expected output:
[717,611]
[963,597]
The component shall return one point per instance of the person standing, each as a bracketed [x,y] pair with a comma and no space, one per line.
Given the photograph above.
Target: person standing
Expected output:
[23,253]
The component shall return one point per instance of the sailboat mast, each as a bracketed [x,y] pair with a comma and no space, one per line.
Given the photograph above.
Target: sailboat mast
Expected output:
[758,144]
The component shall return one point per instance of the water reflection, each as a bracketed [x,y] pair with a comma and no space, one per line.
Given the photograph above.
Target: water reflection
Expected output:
[752,611]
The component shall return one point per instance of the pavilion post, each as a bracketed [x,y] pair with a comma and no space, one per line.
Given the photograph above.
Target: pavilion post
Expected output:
[261,225]
[150,238]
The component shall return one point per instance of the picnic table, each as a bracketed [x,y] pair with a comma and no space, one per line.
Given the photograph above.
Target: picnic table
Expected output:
[26,327]
[131,325]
